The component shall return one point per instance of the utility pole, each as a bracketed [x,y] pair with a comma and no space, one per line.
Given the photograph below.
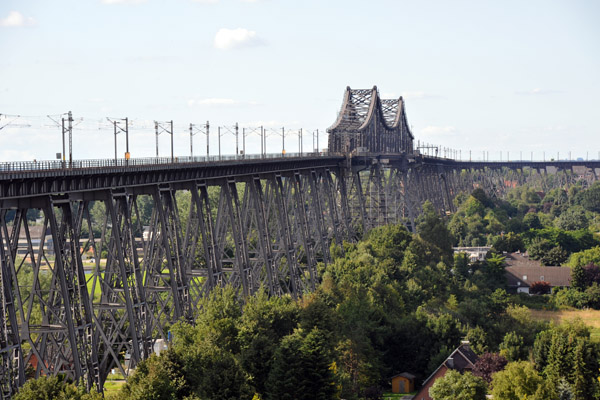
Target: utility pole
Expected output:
[262,141]
[115,126]
[283,141]
[191,142]
[219,136]
[205,132]
[243,142]
[317,141]
[156,133]
[63,142]
[207,140]
[127,154]
[237,140]
[70,139]
[118,129]
[160,127]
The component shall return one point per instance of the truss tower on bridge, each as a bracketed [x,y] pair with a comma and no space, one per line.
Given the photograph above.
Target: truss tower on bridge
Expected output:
[367,123]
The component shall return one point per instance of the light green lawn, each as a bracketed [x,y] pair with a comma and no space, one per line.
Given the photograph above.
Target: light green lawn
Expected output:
[590,317]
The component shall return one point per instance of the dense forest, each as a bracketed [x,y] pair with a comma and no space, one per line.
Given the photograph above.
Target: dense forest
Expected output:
[399,302]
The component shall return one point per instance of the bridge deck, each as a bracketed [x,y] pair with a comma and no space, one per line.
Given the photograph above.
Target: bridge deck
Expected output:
[22,180]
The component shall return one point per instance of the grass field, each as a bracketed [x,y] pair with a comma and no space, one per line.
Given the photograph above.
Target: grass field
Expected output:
[590,317]
[396,396]
[111,387]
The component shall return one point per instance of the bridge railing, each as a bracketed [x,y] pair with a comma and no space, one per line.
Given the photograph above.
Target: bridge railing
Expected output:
[50,165]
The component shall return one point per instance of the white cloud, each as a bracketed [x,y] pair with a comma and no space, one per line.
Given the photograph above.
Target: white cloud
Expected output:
[16,19]
[206,1]
[227,39]
[538,92]
[123,1]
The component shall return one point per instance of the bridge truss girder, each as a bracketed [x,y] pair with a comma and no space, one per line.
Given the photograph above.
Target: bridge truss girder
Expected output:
[256,231]
[259,230]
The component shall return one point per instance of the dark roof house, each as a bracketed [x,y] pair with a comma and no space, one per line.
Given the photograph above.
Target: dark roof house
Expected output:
[462,359]
[521,278]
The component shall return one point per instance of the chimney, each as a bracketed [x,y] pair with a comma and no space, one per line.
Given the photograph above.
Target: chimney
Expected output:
[450,362]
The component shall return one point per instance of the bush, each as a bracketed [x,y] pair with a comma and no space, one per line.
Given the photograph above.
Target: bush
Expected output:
[568,297]
[488,364]
[540,287]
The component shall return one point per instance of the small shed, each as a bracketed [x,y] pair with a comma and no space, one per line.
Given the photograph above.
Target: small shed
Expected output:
[403,383]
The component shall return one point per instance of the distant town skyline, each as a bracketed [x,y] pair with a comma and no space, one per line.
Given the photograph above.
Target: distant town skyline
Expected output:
[503,77]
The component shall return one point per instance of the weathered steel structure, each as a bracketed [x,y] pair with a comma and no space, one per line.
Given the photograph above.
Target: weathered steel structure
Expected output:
[368,123]
[121,250]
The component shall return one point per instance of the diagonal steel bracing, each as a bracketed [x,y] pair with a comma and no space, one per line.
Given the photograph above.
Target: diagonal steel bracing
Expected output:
[157,248]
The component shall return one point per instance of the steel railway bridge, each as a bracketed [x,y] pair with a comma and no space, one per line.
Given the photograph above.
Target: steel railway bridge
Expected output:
[251,222]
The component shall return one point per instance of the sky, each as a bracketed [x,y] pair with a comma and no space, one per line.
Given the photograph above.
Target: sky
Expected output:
[516,79]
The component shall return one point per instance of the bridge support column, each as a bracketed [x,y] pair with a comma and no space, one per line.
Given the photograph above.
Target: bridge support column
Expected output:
[12,371]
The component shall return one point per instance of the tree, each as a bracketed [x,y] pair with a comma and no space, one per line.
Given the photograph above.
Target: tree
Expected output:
[54,388]
[158,377]
[494,269]
[566,351]
[483,198]
[389,241]
[473,207]
[585,257]
[532,221]
[264,322]
[554,257]
[488,364]
[538,248]
[510,243]
[301,369]
[572,219]
[456,386]
[590,198]
[433,229]
[578,278]
[512,347]
[593,296]
[519,380]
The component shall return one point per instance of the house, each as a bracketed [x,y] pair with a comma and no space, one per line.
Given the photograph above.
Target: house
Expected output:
[403,383]
[462,359]
[520,278]
[474,253]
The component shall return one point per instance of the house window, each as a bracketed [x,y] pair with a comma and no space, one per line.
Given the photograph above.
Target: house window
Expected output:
[542,278]
[524,277]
